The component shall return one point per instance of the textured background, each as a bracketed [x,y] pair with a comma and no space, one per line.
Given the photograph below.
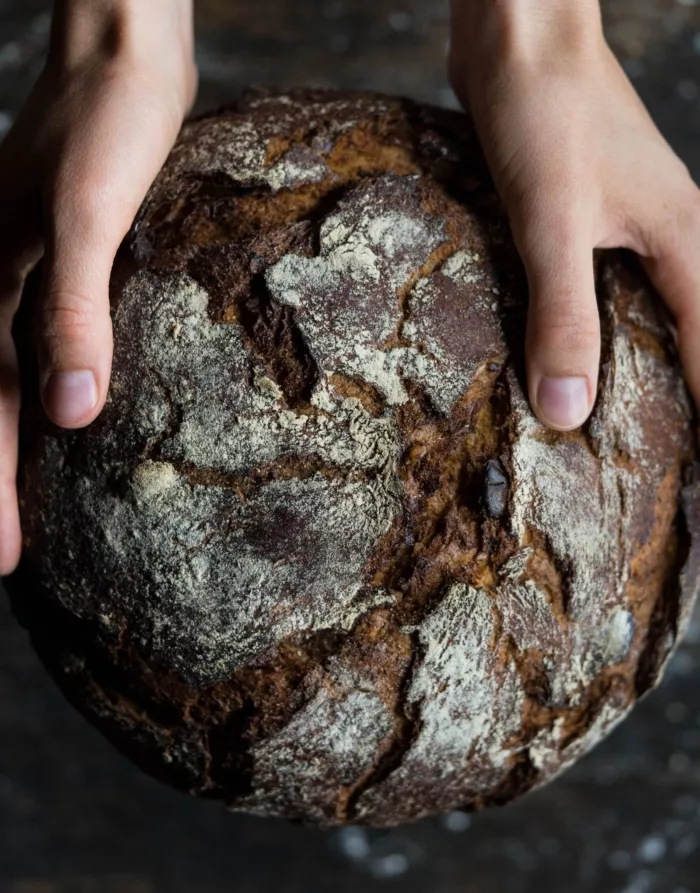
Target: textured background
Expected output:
[76,818]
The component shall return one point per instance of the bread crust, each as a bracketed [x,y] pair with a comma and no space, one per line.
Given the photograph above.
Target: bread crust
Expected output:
[317,558]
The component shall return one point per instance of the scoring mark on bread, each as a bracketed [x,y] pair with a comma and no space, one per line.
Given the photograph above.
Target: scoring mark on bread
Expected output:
[275,337]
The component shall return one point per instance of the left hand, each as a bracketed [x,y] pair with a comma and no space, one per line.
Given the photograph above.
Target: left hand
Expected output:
[74,170]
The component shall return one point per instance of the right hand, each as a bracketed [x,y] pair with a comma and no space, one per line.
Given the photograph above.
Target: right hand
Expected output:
[74,169]
[579,165]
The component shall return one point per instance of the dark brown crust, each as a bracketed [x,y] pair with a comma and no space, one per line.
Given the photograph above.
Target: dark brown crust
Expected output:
[233,733]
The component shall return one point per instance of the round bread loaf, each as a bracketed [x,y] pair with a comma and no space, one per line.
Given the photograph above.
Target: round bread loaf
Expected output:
[317,558]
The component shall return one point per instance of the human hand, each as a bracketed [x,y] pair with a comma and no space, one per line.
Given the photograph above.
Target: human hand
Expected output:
[74,170]
[579,165]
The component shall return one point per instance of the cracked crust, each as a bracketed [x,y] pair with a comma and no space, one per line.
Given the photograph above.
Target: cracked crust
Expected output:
[316,558]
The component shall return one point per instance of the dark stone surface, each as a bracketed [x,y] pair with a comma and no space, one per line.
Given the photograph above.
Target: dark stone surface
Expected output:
[76,818]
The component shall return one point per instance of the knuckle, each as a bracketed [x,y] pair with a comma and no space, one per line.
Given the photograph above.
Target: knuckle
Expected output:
[67,317]
[568,328]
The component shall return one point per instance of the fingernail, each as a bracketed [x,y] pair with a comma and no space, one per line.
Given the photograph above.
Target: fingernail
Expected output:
[70,396]
[563,402]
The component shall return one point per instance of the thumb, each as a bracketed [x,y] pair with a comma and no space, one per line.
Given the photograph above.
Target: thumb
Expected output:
[74,326]
[563,329]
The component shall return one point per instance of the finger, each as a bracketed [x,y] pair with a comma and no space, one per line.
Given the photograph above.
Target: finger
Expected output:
[563,330]
[74,325]
[672,267]
[10,536]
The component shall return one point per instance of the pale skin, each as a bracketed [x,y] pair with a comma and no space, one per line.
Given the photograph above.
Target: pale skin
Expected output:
[575,157]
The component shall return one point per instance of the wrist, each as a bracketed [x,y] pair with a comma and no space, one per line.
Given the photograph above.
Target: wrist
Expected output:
[526,34]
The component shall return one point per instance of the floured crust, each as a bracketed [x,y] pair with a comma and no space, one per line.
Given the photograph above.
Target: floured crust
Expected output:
[317,558]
